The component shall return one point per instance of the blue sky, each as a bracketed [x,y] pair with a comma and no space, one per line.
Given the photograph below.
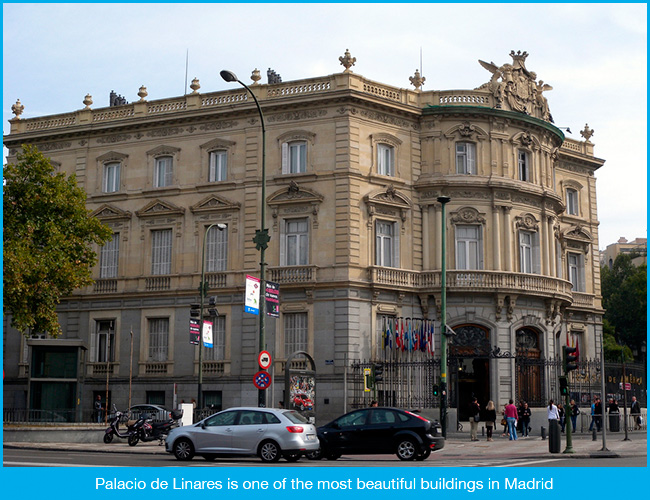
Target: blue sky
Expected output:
[594,56]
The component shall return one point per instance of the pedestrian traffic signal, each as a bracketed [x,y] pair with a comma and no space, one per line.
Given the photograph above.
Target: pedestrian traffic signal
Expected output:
[570,359]
[195,311]
[212,309]
[378,372]
[564,386]
[436,390]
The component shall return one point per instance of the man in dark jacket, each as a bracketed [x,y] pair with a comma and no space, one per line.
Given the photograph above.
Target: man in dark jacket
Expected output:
[635,412]
[598,414]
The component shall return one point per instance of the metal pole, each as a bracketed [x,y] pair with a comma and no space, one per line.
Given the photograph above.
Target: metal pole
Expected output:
[602,391]
[108,357]
[627,438]
[130,365]
[443,320]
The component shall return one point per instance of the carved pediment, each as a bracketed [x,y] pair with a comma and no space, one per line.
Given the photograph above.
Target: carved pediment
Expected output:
[297,135]
[467,215]
[112,156]
[110,213]
[217,143]
[214,203]
[158,208]
[466,131]
[163,150]
[577,232]
[389,196]
[294,194]
[527,222]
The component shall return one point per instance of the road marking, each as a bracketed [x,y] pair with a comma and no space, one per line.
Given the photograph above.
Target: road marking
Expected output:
[49,464]
[525,464]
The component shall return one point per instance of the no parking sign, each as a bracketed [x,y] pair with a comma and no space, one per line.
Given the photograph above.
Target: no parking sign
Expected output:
[262,380]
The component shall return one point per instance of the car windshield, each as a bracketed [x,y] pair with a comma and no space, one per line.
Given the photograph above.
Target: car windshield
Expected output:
[295,417]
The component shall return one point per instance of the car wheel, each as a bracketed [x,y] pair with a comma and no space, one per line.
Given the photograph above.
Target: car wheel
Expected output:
[302,407]
[183,449]
[406,449]
[269,451]
[292,456]
[424,455]
[108,438]
[133,439]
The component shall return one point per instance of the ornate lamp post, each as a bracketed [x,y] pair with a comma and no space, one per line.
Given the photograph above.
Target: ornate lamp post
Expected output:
[262,237]
[443,319]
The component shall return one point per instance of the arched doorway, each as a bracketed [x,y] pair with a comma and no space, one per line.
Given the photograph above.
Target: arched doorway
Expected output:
[469,355]
[529,366]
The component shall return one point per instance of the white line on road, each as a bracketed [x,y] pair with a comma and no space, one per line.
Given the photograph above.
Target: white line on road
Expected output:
[50,464]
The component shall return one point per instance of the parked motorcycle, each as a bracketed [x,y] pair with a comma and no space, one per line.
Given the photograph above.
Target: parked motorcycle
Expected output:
[113,428]
[144,429]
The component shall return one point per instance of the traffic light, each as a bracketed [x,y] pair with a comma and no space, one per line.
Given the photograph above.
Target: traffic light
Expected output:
[212,308]
[378,372]
[436,390]
[195,311]
[570,359]
[564,386]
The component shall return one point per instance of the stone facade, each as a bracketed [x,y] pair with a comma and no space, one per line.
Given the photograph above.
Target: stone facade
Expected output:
[353,172]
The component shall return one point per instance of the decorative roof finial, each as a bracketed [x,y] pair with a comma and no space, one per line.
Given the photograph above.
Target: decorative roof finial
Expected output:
[17,109]
[88,100]
[347,61]
[142,93]
[255,76]
[587,132]
[195,86]
[416,80]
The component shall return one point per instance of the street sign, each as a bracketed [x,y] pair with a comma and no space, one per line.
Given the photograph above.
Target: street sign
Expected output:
[195,331]
[252,297]
[272,299]
[264,360]
[262,380]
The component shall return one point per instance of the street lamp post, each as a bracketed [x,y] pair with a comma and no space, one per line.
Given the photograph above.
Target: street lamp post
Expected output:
[262,237]
[203,291]
[443,319]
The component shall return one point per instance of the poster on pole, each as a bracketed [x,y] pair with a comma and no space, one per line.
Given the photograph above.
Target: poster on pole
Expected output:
[272,299]
[207,333]
[252,299]
[195,331]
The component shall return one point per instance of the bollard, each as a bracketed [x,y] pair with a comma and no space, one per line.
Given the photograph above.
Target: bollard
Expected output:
[554,441]
[543,433]
[594,436]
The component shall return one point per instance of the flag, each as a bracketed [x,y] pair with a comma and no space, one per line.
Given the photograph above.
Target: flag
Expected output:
[398,338]
[431,346]
[401,334]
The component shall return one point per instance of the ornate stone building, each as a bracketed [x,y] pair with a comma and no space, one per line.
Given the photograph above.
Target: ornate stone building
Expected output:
[354,169]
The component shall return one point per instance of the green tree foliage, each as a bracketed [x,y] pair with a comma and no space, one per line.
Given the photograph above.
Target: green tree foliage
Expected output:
[624,290]
[47,241]
[612,349]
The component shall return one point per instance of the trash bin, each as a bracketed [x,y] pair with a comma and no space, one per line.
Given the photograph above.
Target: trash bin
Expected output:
[554,443]
[614,422]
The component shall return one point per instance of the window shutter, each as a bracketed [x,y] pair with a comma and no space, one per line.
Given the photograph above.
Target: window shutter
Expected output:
[93,343]
[395,262]
[471,159]
[283,243]
[285,158]
[537,265]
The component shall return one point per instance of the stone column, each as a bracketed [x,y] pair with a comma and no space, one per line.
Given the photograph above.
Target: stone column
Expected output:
[496,237]
[551,247]
[544,246]
[507,234]
[425,237]
[438,234]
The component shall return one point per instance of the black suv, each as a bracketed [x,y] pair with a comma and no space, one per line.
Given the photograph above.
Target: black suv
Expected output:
[377,431]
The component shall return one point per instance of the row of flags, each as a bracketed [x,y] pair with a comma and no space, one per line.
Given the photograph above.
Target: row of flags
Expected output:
[408,334]
[572,341]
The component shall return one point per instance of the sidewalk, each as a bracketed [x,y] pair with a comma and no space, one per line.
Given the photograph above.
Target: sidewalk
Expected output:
[456,445]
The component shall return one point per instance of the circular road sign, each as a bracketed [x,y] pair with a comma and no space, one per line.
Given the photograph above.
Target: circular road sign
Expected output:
[264,360]
[262,380]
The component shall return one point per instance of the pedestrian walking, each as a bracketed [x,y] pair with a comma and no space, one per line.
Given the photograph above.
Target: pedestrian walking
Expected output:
[562,414]
[635,413]
[593,415]
[575,411]
[490,419]
[504,422]
[524,418]
[598,412]
[98,409]
[474,418]
[511,419]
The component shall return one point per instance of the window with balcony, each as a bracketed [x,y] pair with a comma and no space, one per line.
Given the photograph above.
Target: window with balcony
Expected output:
[529,252]
[158,339]
[161,251]
[103,348]
[576,271]
[386,244]
[216,250]
[218,166]
[469,247]
[523,163]
[218,350]
[385,160]
[294,249]
[295,333]
[572,202]
[163,171]
[112,172]
[466,158]
[109,258]
[294,157]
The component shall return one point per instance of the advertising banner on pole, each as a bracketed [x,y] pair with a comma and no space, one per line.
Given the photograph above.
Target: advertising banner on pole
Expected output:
[207,333]
[252,299]
[195,331]
[272,296]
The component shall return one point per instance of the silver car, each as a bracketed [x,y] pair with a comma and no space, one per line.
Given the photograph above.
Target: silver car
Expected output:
[269,433]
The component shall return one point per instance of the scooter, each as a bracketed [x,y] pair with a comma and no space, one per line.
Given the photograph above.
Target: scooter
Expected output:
[144,429]
[113,428]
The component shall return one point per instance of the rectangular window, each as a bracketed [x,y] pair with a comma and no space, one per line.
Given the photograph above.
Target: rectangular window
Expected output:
[385,160]
[576,271]
[212,400]
[155,398]
[295,333]
[465,158]
[158,339]
[572,202]
[386,244]
[296,242]
[112,177]
[163,171]
[469,247]
[524,167]
[218,166]
[104,341]
[109,257]
[161,251]
[216,250]
[529,252]
[218,350]
[294,157]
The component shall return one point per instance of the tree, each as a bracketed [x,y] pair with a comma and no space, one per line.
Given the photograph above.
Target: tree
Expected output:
[47,241]
[624,291]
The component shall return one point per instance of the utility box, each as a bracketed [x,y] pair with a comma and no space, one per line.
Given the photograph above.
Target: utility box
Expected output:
[554,442]
[188,414]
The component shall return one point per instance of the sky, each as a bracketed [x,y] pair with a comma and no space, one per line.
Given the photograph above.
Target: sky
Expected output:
[594,56]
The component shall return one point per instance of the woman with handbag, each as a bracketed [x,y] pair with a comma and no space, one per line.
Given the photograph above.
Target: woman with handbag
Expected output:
[490,419]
